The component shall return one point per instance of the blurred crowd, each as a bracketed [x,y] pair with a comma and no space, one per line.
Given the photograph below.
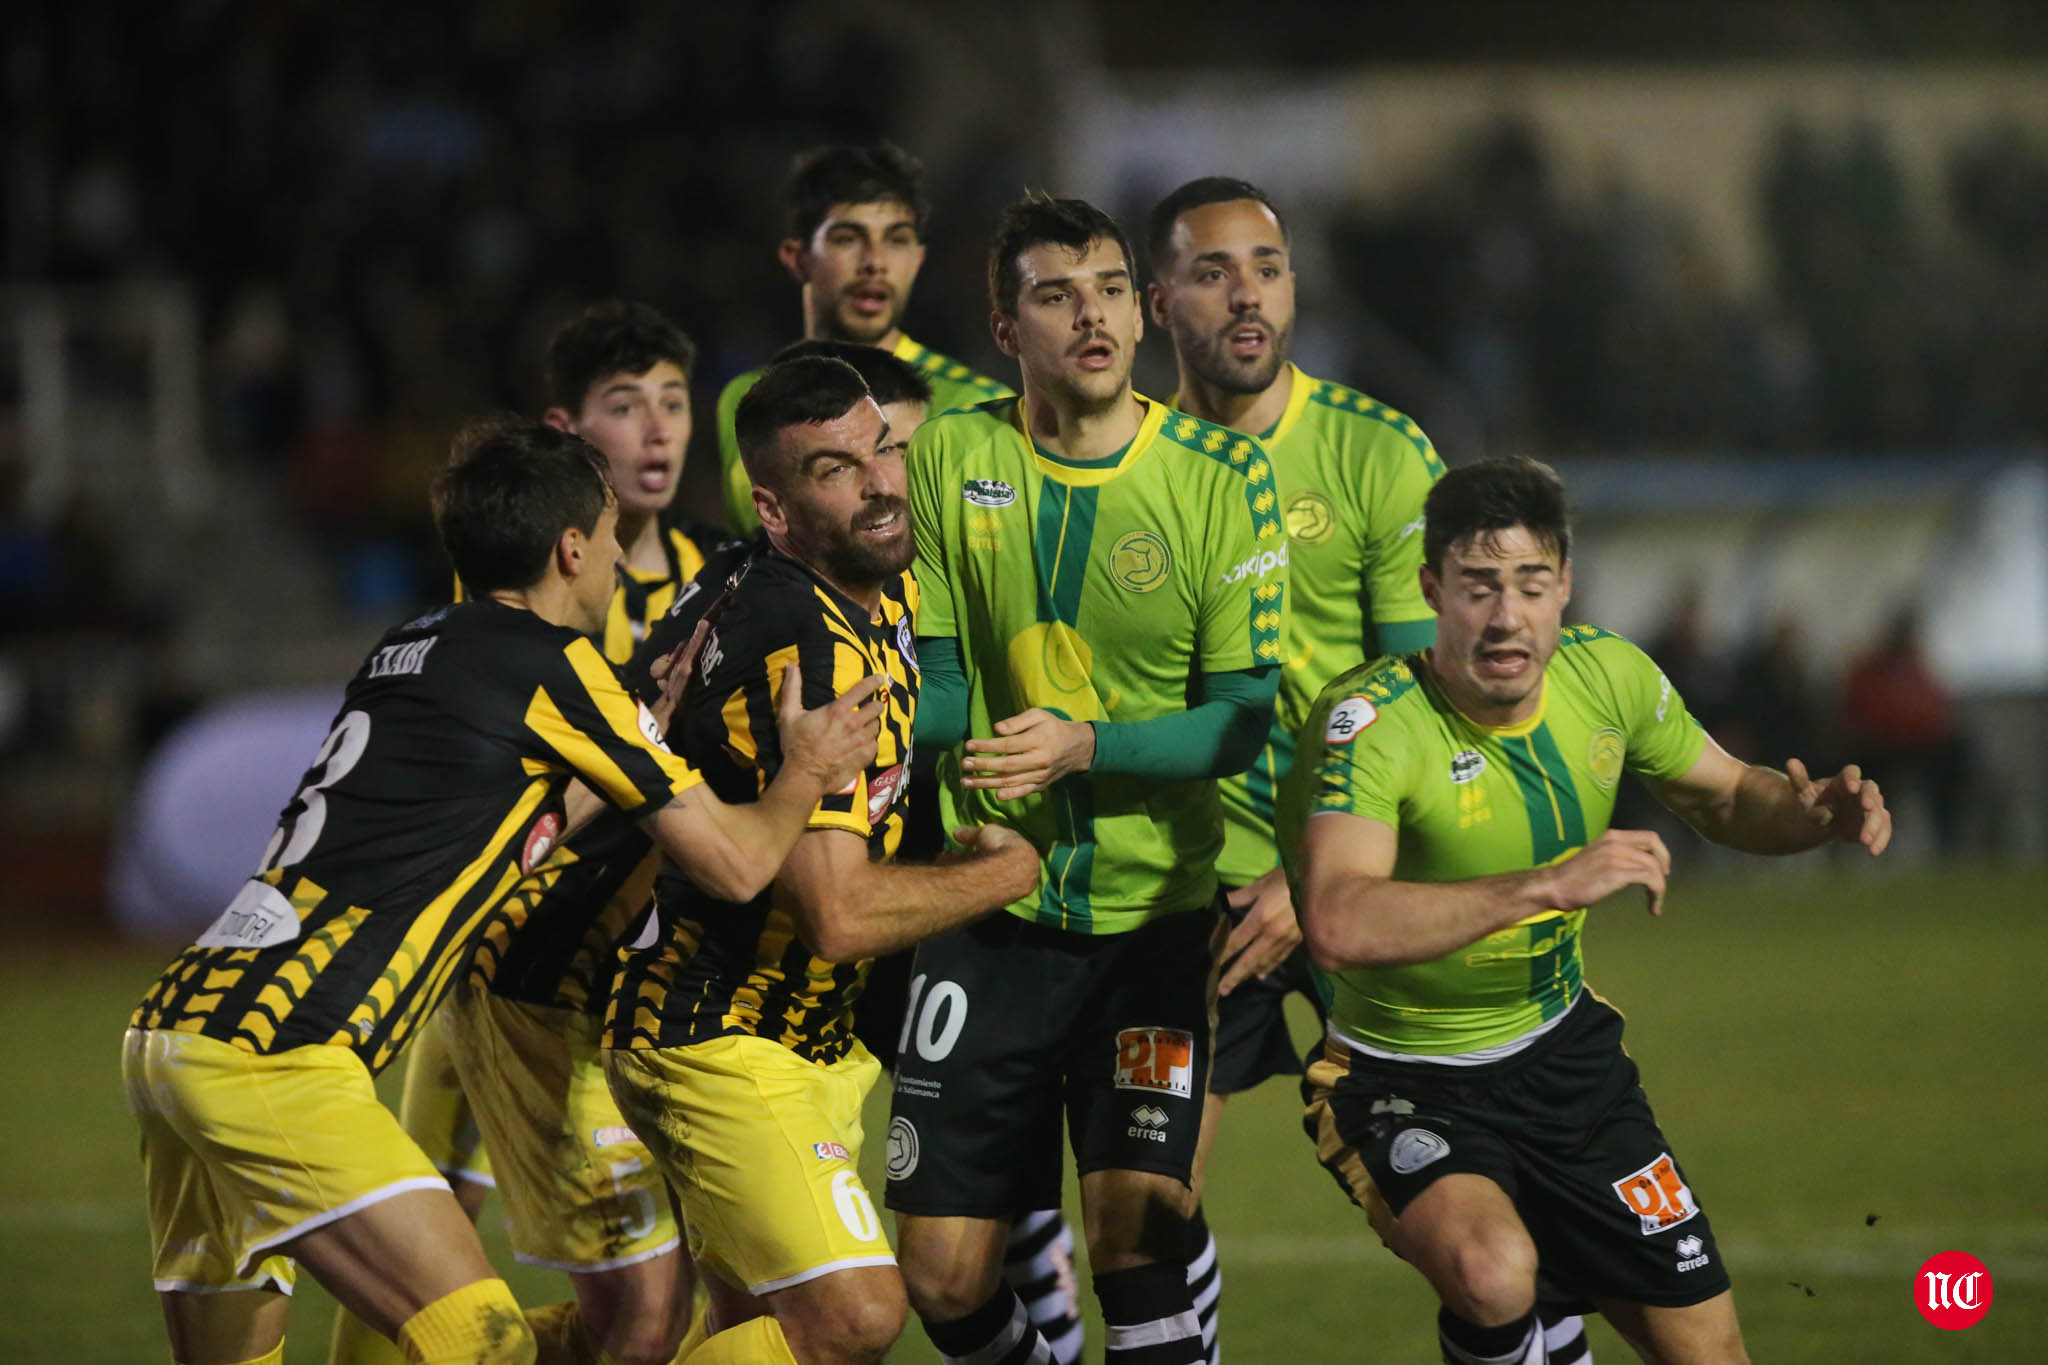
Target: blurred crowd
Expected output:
[1604,325]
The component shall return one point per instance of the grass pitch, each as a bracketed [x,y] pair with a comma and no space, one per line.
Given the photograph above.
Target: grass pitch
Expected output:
[1850,1067]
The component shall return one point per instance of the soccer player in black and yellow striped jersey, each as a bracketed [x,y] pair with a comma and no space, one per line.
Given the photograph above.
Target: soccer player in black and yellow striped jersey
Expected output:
[249,1063]
[854,241]
[730,1039]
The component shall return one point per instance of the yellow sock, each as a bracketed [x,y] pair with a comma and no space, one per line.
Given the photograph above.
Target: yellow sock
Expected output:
[478,1324]
[355,1342]
[756,1342]
[274,1356]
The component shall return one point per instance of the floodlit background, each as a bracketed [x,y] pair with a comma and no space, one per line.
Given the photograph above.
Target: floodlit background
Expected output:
[1767,281]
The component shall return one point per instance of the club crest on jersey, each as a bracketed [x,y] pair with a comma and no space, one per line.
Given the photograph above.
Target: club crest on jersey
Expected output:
[1604,754]
[988,492]
[1161,1059]
[1347,718]
[906,642]
[540,841]
[1310,518]
[1139,561]
[1467,764]
[651,728]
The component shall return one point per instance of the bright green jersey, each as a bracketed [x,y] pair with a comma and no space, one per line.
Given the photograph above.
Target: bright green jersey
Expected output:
[1099,592]
[953,386]
[1352,474]
[1471,800]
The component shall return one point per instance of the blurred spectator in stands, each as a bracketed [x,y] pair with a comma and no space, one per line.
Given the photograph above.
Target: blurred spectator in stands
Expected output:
[1772,714]
[1699,673]
[1897,719]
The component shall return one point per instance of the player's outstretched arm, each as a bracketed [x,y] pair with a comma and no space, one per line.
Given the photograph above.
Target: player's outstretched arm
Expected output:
[734,851]
[847,907]
[1759,810]
[1354,914]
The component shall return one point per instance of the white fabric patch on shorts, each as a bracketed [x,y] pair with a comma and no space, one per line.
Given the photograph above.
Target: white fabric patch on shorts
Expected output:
[1414,1148]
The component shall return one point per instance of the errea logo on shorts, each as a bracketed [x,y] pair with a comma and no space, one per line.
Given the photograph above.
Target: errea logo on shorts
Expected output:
[1260,564]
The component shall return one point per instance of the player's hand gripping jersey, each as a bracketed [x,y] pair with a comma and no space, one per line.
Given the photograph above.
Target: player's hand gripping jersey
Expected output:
[715,969]
[1473,801]
[954,386]
[1351,474]
[437,790]
[1099,592]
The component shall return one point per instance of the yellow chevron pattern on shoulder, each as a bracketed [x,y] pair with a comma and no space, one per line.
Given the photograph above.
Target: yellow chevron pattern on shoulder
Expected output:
[1353,403]
[1234,450]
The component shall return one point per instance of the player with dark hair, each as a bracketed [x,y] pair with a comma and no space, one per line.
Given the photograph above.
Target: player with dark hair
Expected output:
[249,1064]
[1446,826]
[1103,596]
[1350,474]
[580,1197]
[729,1040]
[854,240]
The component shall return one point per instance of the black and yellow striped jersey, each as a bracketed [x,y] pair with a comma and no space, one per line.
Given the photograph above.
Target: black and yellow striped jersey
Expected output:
[712,968]
[437,791]
[560,946]
[643,599]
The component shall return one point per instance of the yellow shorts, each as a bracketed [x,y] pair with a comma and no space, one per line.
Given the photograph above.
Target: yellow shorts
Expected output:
[763,1149]
[436,1112]
[242,1153]
[581,1191]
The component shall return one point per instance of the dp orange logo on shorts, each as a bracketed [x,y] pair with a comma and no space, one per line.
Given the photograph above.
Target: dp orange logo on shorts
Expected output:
[1156,1059]
[1657,1195]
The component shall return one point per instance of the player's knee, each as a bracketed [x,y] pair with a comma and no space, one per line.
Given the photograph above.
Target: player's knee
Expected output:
[946,1290]
[850,1325]
[478,1324]
[1492,1277]
[638,1320]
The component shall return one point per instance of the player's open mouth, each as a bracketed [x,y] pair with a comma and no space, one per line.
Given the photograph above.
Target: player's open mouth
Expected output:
[870,302]
[1095,355]
[655,478]
[884,529]
[1503,663]
[1247,342]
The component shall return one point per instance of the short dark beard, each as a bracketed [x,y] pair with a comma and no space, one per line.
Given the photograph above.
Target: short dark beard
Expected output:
[830,328]
[1206,354]
[837,549]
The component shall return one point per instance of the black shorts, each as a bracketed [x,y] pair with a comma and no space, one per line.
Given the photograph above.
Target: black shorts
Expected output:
[1563,1127]
[1012,1024]
[1252,1041]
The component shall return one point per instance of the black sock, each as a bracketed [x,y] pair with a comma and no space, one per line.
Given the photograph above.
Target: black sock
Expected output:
[997,1333]
[1467,1343]
[1148,1316]
[1205,1282]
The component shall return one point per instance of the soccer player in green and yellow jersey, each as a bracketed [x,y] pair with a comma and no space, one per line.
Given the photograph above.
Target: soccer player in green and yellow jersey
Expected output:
[1351,474]
[1446,826]
[1103,596]
[855,242]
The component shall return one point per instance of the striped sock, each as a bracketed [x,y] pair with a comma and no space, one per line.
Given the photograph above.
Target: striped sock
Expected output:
[1467,1343]
[1564,1336]
[997,1333]
[1205,1281]
[1148,1316]
[1040,1266]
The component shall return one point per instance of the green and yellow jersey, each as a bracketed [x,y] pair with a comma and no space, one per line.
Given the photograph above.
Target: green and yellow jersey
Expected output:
[1100,592]
[1351,474]
[711,968]
[954,386]
[437,793]
[1469,800]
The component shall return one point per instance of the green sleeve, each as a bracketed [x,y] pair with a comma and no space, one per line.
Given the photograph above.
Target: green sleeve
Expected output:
[1218,737]
[928,511]
[1664,740]
[739,489]
[941,693]
[1405,468]
[1399,637]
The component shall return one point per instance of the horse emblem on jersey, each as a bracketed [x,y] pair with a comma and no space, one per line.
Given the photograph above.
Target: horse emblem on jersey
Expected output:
[1139,561]
[1310,518]
[1604,753]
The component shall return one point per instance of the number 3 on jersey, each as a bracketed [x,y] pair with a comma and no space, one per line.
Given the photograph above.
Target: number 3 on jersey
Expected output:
[296,836]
